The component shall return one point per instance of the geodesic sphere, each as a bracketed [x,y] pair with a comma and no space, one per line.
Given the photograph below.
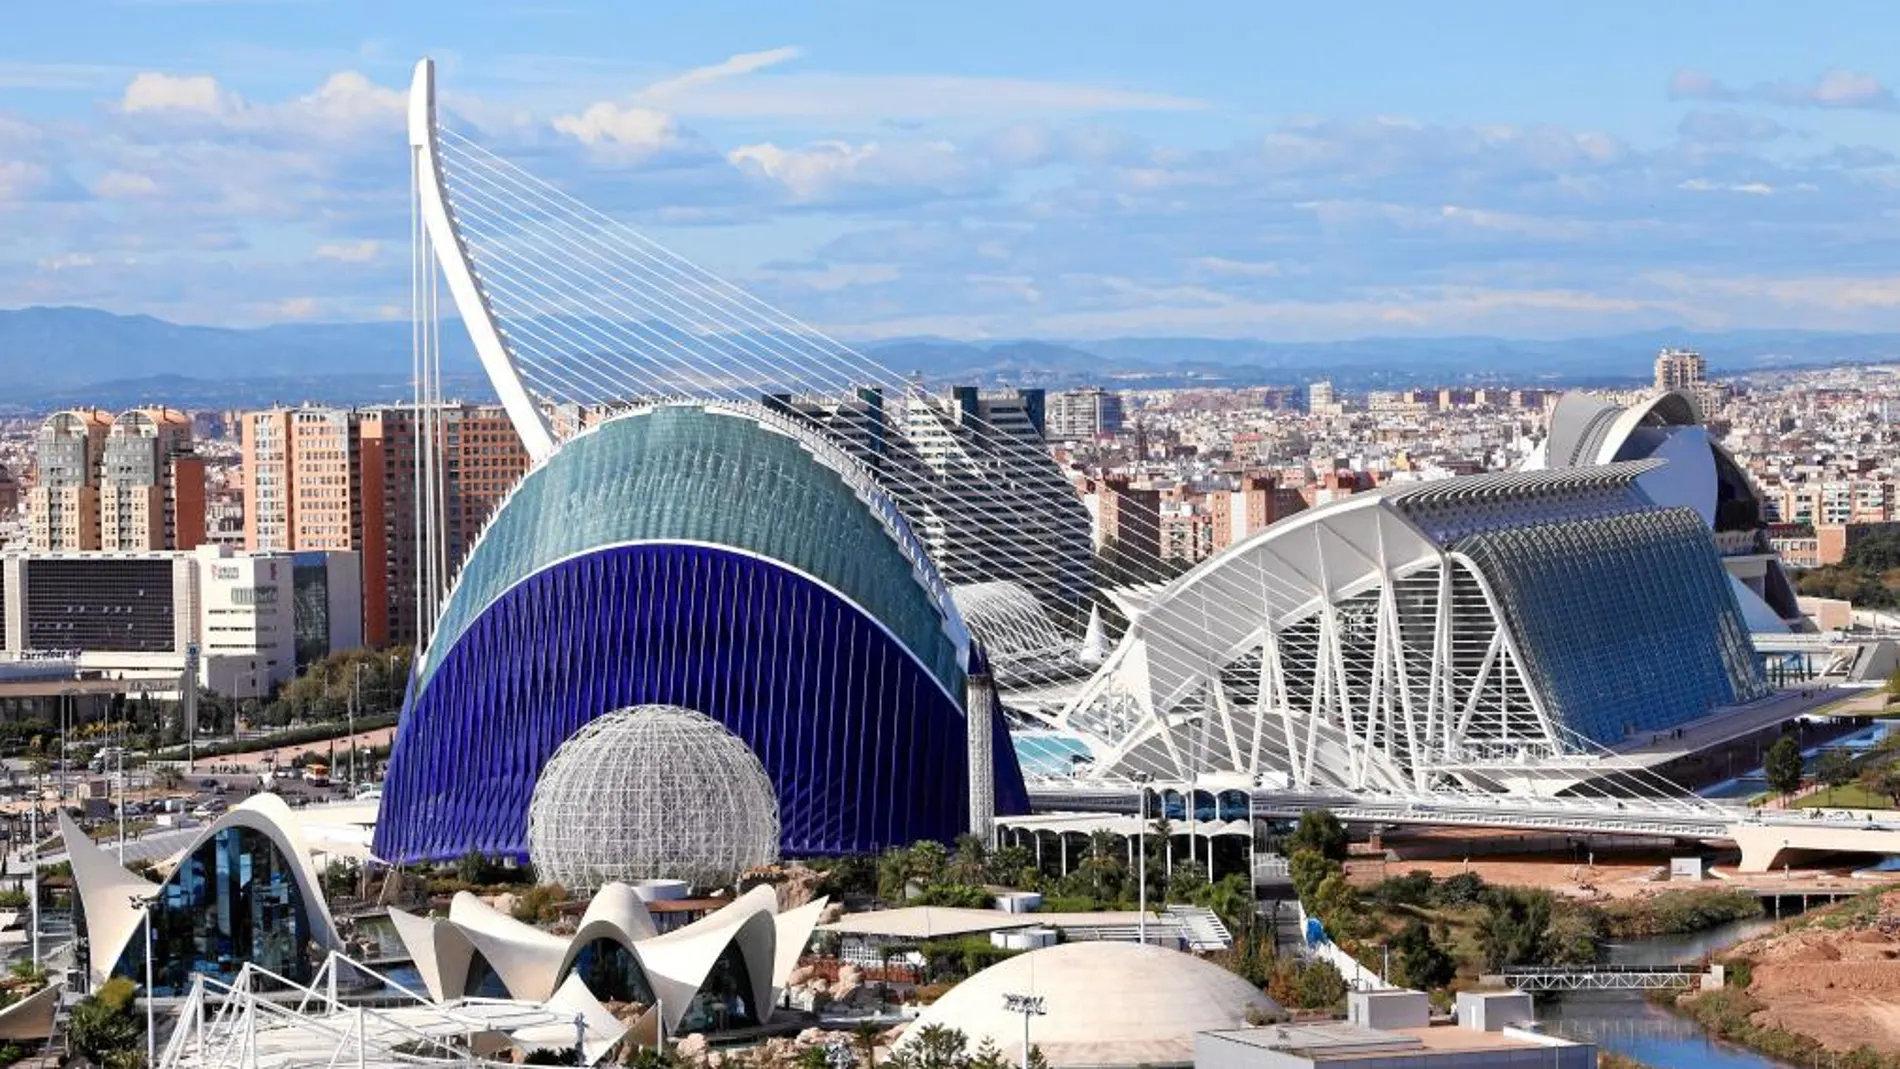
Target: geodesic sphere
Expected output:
[652,792]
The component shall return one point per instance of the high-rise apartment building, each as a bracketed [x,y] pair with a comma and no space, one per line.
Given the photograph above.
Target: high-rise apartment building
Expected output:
[1076,415]
[1320,399]
[1127,518]
[151,483]
[63,505]
[979,465]
[1680,369]
[131,483]
[334,478]
[1259,502]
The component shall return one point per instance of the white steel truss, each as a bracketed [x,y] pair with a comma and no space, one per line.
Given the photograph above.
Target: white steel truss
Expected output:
[1387,658]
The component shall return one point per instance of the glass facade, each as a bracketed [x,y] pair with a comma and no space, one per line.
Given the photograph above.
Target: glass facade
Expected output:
[117,604]
[725,1000]
[690,474]
[864,748]
[1626,624]
[612,972]
[310,581]
[234,900]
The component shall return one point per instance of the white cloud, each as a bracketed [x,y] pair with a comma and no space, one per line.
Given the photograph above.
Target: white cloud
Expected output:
[200,93]
[829,170]
[65,261]
[18,178]
[838,97]
[350,252]
[1703,185]
[121,185]
[348,100]
[296,307]
[1834,89]
[633,127]
[732,66]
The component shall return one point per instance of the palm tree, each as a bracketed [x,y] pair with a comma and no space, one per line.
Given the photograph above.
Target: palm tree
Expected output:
[1103,863]
[865,1036]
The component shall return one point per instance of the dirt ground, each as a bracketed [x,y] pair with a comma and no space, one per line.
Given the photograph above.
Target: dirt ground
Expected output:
[1622,877]
[1840,987]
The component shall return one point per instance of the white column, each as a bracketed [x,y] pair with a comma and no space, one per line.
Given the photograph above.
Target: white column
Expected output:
[980,710]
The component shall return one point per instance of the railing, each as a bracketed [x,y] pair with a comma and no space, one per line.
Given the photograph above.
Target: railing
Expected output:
[1599,977]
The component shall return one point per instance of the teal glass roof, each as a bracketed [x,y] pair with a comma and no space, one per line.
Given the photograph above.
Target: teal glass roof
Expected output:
[721,476]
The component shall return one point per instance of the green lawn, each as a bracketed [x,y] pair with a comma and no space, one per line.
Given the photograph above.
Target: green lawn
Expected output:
[1848,796]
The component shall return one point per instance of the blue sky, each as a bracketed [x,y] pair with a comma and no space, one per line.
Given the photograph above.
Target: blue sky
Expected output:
[980,169]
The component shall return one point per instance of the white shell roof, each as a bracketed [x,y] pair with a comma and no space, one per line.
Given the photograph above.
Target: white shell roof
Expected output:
[1105,1004]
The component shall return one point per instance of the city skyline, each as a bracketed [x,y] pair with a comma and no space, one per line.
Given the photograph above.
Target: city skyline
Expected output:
[1051,172]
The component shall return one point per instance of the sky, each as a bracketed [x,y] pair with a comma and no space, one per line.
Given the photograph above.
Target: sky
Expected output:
[1244,168]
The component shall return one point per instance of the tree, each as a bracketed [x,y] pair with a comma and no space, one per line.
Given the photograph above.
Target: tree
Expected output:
[1231,899]
[103,1026]
[967,865]
[1784,765]
[938,1046]
[540,904]
[1834,769]
[1103,866]
[1417,959]
[1883,780]
[1319,831]
[865,1037]
[1513,928]
[1336,904]
[1308,870]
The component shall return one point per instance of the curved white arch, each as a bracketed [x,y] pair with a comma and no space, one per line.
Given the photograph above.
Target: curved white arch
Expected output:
[106,889]
[1352,687]
[464,287]
[527,959]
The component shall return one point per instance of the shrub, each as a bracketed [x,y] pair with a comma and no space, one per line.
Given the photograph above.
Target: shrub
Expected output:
[103,1025]
[1464,889]
[1412,889]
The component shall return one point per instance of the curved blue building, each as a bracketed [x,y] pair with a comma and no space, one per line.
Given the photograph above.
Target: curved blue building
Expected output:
[714,556]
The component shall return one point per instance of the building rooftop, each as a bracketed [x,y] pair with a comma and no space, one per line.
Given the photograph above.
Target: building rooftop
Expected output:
[1341,1041]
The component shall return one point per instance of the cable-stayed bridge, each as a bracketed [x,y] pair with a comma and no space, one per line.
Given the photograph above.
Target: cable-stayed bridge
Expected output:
[1372,654]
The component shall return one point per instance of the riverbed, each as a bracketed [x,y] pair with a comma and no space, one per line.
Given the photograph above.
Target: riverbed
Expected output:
[1629,1024]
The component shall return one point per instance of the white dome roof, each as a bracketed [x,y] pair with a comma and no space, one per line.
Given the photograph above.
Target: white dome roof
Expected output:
[1105,1004]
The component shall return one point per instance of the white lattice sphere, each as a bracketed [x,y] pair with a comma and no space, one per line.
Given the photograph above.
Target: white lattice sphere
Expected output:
[652,792]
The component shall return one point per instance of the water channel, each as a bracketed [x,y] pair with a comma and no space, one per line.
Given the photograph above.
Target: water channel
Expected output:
[1629,1024]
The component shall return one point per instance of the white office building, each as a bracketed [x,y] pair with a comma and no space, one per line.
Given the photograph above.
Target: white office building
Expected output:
[246,620]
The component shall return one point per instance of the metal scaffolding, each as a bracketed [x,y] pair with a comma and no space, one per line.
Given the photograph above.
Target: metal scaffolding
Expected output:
[652,792]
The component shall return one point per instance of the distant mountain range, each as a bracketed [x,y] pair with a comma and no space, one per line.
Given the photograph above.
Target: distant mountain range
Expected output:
[60,356]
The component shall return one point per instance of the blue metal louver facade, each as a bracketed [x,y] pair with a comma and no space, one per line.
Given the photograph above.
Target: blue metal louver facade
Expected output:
[1626,623]
[809,638]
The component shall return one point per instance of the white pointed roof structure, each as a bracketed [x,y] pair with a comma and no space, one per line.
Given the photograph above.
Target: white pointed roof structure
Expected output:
[439,950]
[106,894]
[1095,639]
[527,959]
[539,966]
[107,891]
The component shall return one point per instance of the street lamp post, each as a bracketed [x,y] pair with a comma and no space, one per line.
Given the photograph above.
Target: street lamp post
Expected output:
[1029,1006]
[143,903]
[1141,865]
[356,696]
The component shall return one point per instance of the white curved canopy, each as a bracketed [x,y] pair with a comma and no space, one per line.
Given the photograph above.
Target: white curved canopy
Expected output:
[1105,1004]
